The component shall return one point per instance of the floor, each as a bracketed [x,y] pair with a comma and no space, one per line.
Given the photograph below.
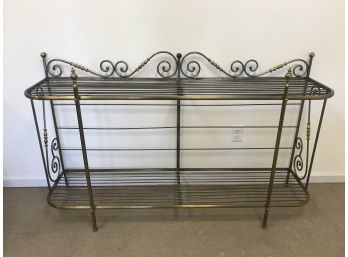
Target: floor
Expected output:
[33,228]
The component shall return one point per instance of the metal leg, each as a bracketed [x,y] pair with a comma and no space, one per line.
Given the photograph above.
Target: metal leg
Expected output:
[311,56]
[84,151]
[40,144]
[276,150]
[178,175]
[178,133]
[58,141]
[295,138]
[315,142]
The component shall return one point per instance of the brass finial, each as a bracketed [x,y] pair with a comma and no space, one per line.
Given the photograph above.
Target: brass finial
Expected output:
[73,75]
[288,75]
[43,55]
[311,54]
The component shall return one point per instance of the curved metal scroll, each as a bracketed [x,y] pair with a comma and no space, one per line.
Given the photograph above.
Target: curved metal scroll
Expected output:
[56,70]
[298,161]
[56,167]
[164,67]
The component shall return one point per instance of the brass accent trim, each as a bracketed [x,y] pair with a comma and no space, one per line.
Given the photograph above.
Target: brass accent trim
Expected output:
[45,134]
[215,64]
[79,66]
[308,133]
[278,67]
[140,66]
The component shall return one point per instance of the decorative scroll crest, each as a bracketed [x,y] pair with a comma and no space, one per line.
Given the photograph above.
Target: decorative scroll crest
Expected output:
[172,65]
[165,68]
[192,68]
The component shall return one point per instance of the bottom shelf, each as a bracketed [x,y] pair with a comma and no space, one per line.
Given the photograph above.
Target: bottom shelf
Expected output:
[152,188]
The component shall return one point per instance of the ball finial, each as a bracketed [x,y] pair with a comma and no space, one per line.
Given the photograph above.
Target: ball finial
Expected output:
[288,75]
[178,55]
[73,75]
[43,55]
[311,54]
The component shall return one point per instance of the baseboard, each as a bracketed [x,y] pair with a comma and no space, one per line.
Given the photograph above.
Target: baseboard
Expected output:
[319,177]
[327,177]
[25,182]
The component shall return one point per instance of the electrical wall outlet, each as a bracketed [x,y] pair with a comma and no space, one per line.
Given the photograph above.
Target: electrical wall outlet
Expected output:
[237,135]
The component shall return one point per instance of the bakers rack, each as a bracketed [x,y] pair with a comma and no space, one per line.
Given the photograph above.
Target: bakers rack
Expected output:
[178,83]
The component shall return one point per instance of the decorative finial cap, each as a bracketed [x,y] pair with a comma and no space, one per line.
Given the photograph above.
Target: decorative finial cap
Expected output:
[178,55]
[73,74]
[43,55]
[288,75]
[311,54]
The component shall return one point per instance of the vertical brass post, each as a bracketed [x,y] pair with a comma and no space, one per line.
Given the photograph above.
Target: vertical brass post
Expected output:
[276,150]
[40,144]
[83,146]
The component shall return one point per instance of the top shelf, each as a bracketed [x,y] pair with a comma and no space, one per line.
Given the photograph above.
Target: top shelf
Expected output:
[260,88]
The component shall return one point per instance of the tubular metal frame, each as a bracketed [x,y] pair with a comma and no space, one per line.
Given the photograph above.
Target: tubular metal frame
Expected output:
[93,188]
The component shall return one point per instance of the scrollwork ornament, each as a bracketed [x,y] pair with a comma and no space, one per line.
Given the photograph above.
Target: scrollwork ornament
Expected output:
[107,67]
[164,68]
[121,68]
[194,68]
[298,161]
[250,67]
[299,70]
[56,70]
[189,67]
[237,68]
[55,162]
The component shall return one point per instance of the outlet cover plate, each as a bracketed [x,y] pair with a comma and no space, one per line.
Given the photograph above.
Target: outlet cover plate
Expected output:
[237,135]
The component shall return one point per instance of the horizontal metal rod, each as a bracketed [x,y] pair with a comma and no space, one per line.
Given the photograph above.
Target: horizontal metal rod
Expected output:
[256,169]
[173,149]
[174,127]
[183,104]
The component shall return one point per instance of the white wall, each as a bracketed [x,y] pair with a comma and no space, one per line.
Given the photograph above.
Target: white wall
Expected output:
[88,31]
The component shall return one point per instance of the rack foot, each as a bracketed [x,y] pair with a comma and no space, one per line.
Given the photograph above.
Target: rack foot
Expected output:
[265,218]
[94,221]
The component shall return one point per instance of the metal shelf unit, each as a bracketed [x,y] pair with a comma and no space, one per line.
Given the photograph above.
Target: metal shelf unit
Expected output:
[178,78]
